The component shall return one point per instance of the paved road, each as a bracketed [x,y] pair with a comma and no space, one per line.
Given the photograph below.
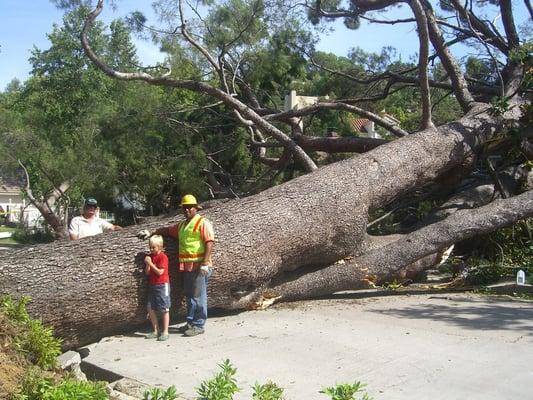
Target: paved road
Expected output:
[446,346]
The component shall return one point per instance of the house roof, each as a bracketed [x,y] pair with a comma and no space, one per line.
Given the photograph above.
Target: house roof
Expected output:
[10,184]
[9,189]
[358,124]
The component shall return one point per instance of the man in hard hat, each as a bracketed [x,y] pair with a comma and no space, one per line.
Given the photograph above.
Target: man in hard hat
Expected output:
[195,238]
[89,224]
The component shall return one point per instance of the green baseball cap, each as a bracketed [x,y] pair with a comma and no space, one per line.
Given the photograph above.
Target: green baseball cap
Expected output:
[91,202]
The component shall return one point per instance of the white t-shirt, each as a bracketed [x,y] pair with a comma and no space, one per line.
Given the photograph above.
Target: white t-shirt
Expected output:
[83,227]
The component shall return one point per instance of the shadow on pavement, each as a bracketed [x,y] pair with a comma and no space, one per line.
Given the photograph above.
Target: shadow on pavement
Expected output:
[465,313]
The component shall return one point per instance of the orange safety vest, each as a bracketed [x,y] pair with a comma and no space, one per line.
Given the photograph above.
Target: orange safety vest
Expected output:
[191,247]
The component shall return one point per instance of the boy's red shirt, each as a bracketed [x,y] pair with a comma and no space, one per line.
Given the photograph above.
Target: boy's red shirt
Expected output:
[161,261]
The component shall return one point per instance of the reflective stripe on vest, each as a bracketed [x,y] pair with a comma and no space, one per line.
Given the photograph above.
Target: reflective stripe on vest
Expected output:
[190,244]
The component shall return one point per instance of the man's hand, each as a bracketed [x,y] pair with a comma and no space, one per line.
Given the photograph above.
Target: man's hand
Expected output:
[144,234]
[204,270]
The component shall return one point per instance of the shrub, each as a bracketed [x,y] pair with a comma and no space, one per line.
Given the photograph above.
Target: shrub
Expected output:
[345,391]
[40,344]
[37,387]
[222,386]
[25,235]
[267,391]
[34,340]
[160,394]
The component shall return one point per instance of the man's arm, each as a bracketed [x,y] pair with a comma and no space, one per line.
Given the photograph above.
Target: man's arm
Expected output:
[73,229]
[208,252]
[108,226]
[208,236]
[165,231]
[171,231]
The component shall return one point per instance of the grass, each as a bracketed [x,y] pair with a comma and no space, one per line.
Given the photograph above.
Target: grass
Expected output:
[8,242]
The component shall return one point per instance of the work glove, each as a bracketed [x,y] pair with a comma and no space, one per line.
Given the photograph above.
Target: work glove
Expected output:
[144,234]
[204,270]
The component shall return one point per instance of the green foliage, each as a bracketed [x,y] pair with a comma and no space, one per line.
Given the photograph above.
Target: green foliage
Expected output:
[516,243]
[28,236]
[222,386]
[34,340]
[59,108]
[499,105]
[480,70]
[39,343]
[511,246]
[226,23]
[502,254]
[161,394]
[15,310]
[479,272]
[37,387]
[373,61]
[522,54]
[267,391]
[346,391]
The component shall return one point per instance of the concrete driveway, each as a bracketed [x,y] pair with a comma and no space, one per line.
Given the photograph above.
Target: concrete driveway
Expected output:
[445,346]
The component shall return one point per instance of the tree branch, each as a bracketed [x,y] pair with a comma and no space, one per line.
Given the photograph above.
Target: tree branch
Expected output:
[394,129]
[421,22]
[388,260]
[508,24]
[300,156]
[338,144]
[46,207]
[459,83]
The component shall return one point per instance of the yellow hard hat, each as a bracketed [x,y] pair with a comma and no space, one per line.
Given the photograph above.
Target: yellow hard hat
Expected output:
[188,200]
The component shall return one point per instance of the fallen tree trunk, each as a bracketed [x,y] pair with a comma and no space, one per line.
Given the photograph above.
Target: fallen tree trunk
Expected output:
[95,287]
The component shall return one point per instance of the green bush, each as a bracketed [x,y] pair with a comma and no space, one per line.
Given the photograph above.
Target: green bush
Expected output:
[161,394]
[27,236]
[40,388]
[39,343]
[222,386]
[501,254]
[345,391]
[483,272]
[267,391]
[33,339]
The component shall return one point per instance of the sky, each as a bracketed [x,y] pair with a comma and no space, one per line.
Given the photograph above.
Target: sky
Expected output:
[25,23]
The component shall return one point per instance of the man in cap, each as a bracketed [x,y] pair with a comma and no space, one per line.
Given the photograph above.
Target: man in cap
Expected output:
[195,237]
[89,224]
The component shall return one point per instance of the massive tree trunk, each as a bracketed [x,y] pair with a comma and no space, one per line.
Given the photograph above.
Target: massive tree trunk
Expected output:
[283,243]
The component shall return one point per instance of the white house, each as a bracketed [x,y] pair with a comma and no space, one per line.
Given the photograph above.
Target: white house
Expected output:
[13,206]
[295,102]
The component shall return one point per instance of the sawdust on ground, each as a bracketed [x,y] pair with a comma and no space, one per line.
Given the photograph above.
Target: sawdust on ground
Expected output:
[12,365]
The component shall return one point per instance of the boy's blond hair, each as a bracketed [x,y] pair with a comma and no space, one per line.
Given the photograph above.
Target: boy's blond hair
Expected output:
[156,240]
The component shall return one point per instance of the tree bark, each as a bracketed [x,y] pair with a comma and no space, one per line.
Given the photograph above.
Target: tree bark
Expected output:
[94,287]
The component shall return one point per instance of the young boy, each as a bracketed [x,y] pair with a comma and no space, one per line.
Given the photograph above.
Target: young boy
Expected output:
[156,268]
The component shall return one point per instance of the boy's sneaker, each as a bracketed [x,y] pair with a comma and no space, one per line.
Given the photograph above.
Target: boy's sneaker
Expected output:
[185,327]
[151,335]
[195,330]
[162,337]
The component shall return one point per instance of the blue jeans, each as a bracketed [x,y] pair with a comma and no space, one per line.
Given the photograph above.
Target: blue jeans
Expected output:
[195,287]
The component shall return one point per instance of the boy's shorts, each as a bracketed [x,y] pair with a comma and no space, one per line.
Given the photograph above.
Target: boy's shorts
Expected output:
[159,297]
